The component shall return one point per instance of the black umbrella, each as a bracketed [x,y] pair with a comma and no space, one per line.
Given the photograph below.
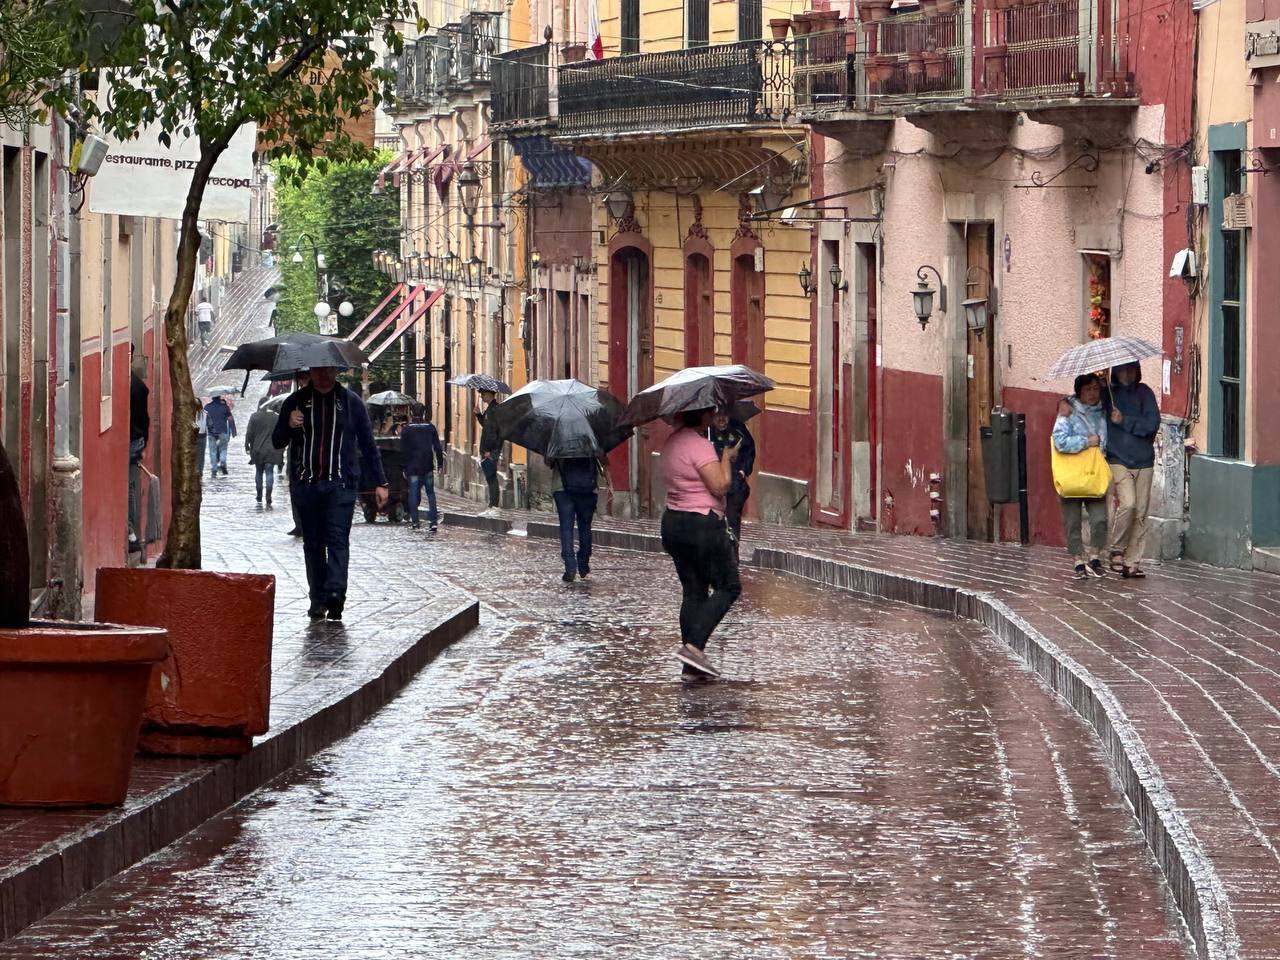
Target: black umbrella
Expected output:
[561,419]
[391,398]
[331,353]
[696,388]
[261,354]
[480,381]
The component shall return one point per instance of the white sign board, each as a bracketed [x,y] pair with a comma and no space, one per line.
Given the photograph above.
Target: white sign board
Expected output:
[143,178]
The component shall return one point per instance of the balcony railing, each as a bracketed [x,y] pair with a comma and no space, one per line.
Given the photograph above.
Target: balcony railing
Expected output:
[724,85]
[522,87]
[978,49]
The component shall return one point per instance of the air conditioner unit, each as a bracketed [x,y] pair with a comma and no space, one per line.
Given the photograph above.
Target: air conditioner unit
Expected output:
[1237,211]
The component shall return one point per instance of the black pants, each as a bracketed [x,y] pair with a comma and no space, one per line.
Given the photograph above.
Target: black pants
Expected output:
[575,506]
[708,569]
[490,469]
[325,509]
[734,503]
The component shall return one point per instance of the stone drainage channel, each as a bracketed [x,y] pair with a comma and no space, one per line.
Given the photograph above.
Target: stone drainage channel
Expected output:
[868,780]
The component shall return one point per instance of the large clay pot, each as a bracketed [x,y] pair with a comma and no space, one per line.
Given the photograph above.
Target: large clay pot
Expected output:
[779,26]
[71,697]
[212,694]
[873,10]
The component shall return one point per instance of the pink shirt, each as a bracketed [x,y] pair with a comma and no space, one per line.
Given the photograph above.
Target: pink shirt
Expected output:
[684,452]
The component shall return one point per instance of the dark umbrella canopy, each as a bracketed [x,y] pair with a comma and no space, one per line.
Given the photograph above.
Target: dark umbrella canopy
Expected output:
[561,419]
[480,381]
[261,354]
[331,353]
[696,388]
[391,398]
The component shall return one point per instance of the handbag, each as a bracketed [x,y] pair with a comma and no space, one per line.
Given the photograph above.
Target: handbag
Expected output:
[1083,475]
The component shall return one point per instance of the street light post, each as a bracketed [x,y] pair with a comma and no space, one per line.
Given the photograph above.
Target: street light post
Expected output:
[322,275]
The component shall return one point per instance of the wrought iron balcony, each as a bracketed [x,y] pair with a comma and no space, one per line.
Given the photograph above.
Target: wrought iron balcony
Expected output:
[522,88]
[976,51]
[732,84]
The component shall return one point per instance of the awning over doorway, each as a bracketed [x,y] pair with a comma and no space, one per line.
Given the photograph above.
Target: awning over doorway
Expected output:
[407,320]
[398,311]
[399,288]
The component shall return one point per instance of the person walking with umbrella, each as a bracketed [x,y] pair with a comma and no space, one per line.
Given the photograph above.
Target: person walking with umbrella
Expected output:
[574,484]
[1081,426]
[263,453]
[1133,420]
[326,427]
[422,454]
[490,444]
[220,424]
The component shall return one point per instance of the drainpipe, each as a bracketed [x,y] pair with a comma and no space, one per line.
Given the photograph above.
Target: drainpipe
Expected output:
[66,570]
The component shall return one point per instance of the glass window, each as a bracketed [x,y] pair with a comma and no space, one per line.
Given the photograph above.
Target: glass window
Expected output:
[698,23]
[630,26]
[750,22]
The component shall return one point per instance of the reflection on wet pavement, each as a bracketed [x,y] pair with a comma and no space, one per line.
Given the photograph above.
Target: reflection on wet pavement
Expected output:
[868,781]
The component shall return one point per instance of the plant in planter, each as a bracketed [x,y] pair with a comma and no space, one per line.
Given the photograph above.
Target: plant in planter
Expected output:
[71,694]
[779,26]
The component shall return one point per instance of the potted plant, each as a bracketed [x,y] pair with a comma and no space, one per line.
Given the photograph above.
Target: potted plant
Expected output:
[880,67]
[71,694]
[779,26]
[915,65]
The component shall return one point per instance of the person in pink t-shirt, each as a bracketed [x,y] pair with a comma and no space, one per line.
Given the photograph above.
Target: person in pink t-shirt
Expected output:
[695,534]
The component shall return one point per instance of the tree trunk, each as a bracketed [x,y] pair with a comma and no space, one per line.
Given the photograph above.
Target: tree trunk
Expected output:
[182,543]
[15,563]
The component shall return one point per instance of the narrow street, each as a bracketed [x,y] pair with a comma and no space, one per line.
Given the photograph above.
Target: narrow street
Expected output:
[867,781]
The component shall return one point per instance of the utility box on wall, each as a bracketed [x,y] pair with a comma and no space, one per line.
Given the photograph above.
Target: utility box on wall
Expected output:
[1000,457]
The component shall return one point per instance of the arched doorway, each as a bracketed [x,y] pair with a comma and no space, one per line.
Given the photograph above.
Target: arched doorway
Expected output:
[631,360]
[699,304]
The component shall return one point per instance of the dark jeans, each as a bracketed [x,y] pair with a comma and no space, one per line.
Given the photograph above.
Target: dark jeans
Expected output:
[734,502]
[417,487]
[708,570]
[573,506]
[325,510]
[202,441]
[264,475]
[490,469]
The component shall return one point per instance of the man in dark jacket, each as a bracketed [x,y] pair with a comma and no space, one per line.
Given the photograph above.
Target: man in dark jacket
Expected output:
[1134,420]
[490,445]
[726,432]
[263,453]
[220,424]
[139,435]
[327,429]
[421,453]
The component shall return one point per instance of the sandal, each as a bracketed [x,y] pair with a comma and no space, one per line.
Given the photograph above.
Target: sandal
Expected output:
[1134,573]
[1117,561]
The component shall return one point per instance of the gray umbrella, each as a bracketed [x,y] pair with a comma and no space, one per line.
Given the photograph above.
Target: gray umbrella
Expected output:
[561,419]
[696,388]
[332,353]
[391,398]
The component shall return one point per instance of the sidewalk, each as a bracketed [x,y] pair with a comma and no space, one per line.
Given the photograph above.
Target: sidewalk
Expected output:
[1179,674]
[326,679]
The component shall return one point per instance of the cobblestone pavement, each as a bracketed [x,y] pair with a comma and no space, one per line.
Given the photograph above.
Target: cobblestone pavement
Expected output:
[868,781]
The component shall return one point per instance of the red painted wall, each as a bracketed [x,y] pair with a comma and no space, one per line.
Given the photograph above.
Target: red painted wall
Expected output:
[1046,519]
[911,449]
[104,458]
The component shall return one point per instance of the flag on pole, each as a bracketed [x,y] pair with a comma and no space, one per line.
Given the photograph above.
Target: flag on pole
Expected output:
[595,45]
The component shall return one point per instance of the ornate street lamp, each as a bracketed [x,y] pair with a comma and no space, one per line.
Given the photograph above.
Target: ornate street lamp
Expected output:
[469,189]
[922,296]
[617,203]
[836,277]
[806,280]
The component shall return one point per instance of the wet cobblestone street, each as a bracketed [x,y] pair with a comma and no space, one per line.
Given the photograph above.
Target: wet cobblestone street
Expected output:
[867,781]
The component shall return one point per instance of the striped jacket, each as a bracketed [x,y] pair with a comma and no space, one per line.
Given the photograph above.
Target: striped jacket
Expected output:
[350,438]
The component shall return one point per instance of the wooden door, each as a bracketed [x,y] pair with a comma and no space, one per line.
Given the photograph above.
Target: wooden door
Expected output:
[981,395]
[699,312]
[872,381]
[748,313]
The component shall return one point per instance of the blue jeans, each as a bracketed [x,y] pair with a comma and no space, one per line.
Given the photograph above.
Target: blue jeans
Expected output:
[202,441]
[265,476]
[218,443]
[489,467]
[572,507]
[325,509]
[417,486]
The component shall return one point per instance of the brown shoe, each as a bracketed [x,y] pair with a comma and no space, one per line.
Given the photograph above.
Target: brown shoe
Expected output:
[693,657]
[1134,573]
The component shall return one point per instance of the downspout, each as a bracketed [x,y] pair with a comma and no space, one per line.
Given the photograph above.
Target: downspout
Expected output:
[66,570]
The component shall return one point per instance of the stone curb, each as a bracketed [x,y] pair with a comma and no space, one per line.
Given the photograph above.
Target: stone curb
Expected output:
[62,871]
[1193,882]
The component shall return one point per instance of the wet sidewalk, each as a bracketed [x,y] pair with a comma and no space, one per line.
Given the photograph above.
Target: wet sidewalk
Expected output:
[1178,674]
[326,680]
[868,781]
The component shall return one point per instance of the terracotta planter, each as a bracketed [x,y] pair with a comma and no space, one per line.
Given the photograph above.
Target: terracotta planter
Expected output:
[929,7]
[824,21]
[945,7]
[71,697]
[934,64]
[880,68]
[573,52]
[873,10]
[915,65]
[212,694]
[801,23]
[779,27]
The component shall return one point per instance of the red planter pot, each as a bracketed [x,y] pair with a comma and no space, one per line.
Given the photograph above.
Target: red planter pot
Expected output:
[880,68]
[934,64]
[873,10]
[779,27]
[71,697]
[212,694]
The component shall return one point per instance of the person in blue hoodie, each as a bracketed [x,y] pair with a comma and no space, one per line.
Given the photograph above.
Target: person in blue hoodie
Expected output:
[1134,420]
[1082,423]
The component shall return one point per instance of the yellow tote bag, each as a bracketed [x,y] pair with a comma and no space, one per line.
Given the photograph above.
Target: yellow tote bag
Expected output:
[1083,474]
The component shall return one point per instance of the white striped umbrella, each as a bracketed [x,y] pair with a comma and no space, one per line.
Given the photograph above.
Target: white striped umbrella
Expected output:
[1102,354]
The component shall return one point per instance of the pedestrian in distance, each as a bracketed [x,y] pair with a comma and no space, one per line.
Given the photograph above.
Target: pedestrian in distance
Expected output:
[204,320]
[729,432]
[327,429]
[1080,426]
[202,433]
[490,445]
[263,453]
[696,534]
[1133,420]
[574,484]
[422,455]
[220,423]
[139,436]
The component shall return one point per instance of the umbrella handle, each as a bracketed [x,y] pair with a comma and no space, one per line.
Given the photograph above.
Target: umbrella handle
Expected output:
[245,386]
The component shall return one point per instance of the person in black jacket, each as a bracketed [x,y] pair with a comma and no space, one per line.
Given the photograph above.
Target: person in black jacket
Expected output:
[728,432]
[490,445]
[327,429]
[1131,453]
[139,436]
[421,454]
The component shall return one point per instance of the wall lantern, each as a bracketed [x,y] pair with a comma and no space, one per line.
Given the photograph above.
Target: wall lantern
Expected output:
[617,203]
[475,271]
[297,256]
[535,259]
[922,296]
[977,310]
[806,280]
[837,279]
[469,188]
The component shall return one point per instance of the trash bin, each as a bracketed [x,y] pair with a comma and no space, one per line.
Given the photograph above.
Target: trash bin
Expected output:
[1000,457]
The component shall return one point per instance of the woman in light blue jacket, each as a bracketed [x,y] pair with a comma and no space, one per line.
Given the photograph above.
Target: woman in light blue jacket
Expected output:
[1082,423]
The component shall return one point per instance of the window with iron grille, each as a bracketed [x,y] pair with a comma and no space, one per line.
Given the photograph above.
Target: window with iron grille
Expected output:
[697,23]
[630,27]
[750,19]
